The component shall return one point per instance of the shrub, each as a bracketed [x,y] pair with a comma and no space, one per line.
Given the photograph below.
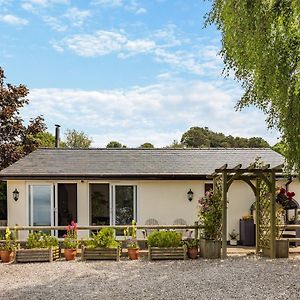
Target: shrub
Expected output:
[41,240]
[104,238]
[165,239]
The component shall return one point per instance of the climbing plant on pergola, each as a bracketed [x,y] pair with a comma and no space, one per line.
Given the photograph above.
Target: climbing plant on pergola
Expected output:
[261,179]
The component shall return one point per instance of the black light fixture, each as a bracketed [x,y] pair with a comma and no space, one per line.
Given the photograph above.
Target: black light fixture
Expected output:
[16,194]
[190,195]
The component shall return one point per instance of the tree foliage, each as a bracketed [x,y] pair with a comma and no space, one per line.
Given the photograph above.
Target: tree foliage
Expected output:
[261,45]
[115,144]
[77,139]
[147,145]
[16,139]
[197,137]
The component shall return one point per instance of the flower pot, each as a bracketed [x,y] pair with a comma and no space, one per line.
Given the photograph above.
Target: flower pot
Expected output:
[133,253]
[233,242]
[70,254]
[210,249]
[6,256]
[193,252]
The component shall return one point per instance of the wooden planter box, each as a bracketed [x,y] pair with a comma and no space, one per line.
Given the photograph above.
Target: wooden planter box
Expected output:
[282,250]
[37,255]
[155,253]
[100,253]
[210,249]
[247,232]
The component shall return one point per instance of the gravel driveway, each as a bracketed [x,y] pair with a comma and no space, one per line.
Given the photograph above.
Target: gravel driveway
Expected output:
[235,278]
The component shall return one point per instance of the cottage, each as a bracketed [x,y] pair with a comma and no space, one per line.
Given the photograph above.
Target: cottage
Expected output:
[114,186]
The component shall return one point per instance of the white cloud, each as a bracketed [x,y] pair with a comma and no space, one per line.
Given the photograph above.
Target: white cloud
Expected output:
[129,5]
[198,61]
[157,113]
[105,42]
[13,20]
[77,16]
[35,5]
[55,24]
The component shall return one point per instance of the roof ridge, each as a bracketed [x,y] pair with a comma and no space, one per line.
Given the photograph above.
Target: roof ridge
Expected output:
[153,149]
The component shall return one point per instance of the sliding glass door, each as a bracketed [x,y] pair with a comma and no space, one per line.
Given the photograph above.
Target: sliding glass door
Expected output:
[124,204]
[41,205]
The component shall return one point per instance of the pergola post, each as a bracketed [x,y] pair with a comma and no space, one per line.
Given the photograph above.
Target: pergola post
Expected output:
[224,214]
[273,216]
[257,215]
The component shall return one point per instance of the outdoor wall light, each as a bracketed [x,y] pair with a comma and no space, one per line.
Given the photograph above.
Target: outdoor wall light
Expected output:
[190,195]
[16,195]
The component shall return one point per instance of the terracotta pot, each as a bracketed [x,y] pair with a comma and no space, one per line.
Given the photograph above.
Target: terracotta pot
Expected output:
[6,256]
[70,254]
[193,253]
[133,253]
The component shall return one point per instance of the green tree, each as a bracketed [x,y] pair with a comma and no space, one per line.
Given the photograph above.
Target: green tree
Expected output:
[280,147]
[16,139]
[115,144]
[47,140]
[261,45]
[175,145]
[146,145]
[197,137]
[77,139]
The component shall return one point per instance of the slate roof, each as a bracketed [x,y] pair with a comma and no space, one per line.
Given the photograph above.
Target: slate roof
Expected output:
[133,163]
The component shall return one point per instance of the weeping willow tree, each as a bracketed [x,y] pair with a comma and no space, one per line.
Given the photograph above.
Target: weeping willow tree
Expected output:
[261,45]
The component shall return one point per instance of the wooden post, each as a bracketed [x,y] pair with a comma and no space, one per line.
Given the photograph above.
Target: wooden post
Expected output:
[224,214]
[273,217]
[257,216]
[196,230]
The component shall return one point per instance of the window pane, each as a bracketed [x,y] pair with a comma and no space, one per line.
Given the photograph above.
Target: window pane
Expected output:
[124,204]
[41,205]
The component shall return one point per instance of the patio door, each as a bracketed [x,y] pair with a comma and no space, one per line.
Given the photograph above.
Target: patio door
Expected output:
[124,204]
[41,205]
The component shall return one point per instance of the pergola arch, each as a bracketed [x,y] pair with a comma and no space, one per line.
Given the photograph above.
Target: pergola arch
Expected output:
[261,175]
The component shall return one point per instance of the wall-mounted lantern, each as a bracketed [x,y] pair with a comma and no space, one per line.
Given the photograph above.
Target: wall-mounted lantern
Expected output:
[16,194]
[190,195]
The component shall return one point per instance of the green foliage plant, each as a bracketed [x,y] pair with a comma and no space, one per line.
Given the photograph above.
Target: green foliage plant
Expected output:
[233,235]
[40,240]
[165,239]
[191,243]
[9,243]
[210,214]
[131,236]
[104,238]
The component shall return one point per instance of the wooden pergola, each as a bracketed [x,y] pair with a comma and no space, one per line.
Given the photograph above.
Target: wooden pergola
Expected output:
[258,177]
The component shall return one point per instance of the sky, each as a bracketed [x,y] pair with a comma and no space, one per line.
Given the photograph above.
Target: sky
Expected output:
[134,71]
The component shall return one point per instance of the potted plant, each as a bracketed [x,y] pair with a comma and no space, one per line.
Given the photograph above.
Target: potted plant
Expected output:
[40,247]
[192,248]
[233,235]
[102,246]
[70,241]
[247,230]
[210,217]
[166,245]
[131,241]
[7,247]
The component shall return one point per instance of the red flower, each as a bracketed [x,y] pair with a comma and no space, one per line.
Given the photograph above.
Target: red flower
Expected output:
[68,227]
[282,191]
[290,195]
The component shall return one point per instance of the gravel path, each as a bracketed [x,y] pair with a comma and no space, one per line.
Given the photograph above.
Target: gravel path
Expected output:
[235,278]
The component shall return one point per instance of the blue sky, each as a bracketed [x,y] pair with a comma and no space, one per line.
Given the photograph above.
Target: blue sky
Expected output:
[128,70]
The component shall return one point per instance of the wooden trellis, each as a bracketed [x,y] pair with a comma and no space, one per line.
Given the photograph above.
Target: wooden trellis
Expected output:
[261,179]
